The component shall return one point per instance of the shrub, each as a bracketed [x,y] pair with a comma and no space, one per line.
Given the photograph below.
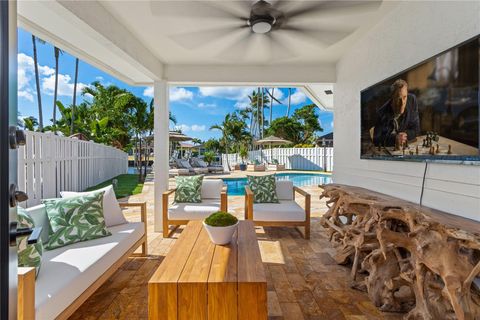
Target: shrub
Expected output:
[221,219]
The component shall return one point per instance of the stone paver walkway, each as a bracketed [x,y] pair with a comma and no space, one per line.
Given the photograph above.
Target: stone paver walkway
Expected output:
[304,282]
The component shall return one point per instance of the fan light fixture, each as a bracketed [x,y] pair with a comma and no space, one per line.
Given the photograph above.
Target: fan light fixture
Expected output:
[261,25]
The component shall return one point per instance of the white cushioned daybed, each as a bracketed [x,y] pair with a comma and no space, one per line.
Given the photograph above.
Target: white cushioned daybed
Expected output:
[70,274]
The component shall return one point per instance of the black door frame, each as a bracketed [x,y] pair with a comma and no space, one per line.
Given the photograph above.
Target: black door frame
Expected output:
[7,269]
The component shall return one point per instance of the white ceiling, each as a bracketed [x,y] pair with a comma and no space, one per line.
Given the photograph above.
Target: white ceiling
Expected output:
[174,32]
[141,42]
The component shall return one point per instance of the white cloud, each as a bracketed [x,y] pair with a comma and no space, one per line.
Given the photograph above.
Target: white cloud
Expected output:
[180,94]
[202,105]
[26,79]
[238,94]
[65,85]
[25,94]
[198,128]
[176,93]
[297,97]
[193,127]
[148,92]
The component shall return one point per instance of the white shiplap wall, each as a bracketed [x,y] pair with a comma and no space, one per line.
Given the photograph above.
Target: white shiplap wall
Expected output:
[411,33]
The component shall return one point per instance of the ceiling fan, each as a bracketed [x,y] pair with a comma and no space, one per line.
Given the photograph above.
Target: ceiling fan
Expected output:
[272,19]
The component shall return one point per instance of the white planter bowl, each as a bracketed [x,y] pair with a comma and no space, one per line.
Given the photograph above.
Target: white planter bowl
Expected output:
[220,235]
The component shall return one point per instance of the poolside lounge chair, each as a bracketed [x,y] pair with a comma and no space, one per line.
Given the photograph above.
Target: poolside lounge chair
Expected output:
[285,213]
[275,166]
[257,166]
[185,164]
[199,163]
[214,198]
[179,172]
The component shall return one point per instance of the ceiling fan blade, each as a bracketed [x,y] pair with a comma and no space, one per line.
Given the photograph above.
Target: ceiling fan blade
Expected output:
[239,49]
[194,9]
[318,7]
[278,51]
[323,37]
[197,39]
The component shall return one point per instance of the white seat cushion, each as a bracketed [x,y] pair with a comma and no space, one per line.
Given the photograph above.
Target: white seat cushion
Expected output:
[193,211]
[68,271]
[282,211]
[111,209]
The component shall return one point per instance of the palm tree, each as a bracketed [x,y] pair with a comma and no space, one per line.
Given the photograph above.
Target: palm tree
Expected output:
[29,123]
[224,129]
[37,81]
[271,105]
[289,101]
[55,92]
[74,95]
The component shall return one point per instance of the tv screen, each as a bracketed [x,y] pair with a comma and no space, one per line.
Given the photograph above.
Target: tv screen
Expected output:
[430,111]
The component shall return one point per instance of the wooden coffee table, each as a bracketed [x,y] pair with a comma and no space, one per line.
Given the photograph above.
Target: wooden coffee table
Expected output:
[201,280]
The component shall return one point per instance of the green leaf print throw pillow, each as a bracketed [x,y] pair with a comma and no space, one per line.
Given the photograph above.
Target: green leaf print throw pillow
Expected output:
[189,189]
[29,255]
[264,188]
[75,219]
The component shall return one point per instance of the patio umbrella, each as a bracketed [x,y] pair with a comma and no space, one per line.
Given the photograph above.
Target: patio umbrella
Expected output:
[272,141]
[178,136]
[175,136]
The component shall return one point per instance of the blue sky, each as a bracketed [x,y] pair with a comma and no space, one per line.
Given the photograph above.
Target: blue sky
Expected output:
[196,108]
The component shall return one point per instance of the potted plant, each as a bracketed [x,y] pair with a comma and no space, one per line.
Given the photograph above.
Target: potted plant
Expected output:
[244,155]
[220,227]
[209,157]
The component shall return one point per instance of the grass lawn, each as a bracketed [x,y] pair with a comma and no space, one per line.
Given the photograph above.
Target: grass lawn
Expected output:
[127,185]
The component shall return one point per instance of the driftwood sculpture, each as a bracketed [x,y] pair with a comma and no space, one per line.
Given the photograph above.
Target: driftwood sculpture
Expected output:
[408,258]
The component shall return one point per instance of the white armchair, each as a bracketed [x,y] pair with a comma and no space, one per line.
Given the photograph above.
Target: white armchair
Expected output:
[285,213]
[214,198]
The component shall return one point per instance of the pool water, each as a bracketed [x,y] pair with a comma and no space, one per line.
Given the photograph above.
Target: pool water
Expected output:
[236,186]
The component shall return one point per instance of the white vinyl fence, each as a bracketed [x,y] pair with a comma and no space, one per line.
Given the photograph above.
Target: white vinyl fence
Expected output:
[48,164]
[320,158]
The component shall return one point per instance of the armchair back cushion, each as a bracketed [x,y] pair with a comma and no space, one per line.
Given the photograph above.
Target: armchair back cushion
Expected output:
[188,189]
[211,188]
[284,190]
[263,188]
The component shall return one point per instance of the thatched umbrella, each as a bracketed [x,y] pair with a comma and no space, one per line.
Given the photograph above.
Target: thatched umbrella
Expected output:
[175,136]
[272,141]
[178,136]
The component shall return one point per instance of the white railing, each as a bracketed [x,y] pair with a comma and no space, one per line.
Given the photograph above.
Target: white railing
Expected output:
[48,164]
[294,158]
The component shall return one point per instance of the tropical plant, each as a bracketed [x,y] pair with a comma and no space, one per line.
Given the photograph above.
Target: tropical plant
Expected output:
[213,145]
[209,156]
[30,123]
[224,128]
[243,152]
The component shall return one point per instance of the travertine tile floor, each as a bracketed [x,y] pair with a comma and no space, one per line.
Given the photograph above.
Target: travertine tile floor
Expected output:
[304,282]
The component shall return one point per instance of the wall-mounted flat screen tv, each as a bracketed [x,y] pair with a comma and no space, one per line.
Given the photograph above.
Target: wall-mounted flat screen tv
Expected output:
[428,112]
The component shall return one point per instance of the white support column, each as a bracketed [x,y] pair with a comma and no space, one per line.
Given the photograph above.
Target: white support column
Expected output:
[161,123]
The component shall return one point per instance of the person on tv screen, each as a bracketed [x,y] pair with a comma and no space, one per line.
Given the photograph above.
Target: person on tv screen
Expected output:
[397,120]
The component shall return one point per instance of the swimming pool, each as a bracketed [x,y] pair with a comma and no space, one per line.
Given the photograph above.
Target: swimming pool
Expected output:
[236,186]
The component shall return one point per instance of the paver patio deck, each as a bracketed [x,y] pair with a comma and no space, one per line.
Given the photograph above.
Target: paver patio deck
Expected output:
[303,280]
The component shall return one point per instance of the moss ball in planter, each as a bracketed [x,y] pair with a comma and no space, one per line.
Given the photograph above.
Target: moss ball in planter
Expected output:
[221,219]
